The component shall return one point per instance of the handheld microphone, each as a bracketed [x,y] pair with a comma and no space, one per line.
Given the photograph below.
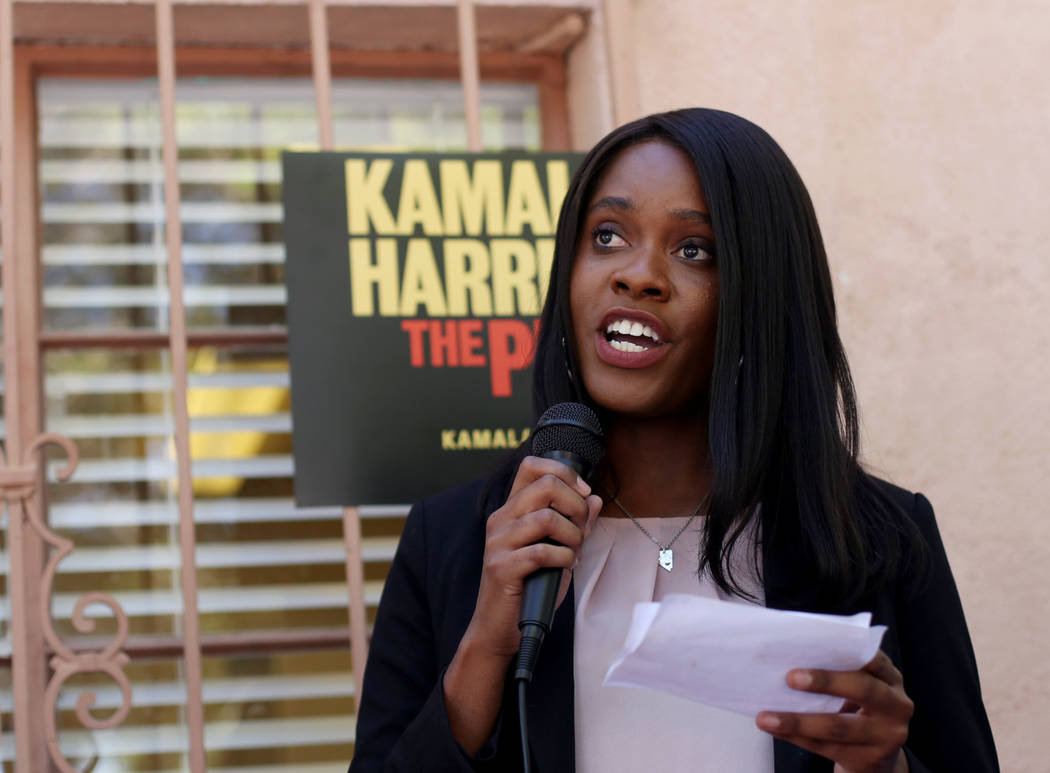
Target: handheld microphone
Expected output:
[570,433]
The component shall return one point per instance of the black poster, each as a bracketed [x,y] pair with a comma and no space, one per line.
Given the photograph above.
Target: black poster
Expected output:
[415,283]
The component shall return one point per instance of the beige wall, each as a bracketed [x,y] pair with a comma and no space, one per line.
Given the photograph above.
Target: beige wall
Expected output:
[923,132]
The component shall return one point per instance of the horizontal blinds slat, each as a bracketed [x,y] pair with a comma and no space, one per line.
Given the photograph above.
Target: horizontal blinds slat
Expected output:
[279,733]
[298,767]
[144,132]
[137,171]
[152,425]
[262,598]
[219,555]
[260,687]
[231,253]
[77,515]
[295,767]
[193,295]
[153,212]
[112,426]
[235,734]
[219,96]
[131,382]
[124,470]
[248,378]
[373,133]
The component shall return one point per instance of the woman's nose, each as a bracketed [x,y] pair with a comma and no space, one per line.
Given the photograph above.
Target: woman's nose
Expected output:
[642,275]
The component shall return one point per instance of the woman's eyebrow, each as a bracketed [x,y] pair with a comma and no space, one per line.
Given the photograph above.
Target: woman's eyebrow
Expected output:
[612,202]
[622,203]
[694,215]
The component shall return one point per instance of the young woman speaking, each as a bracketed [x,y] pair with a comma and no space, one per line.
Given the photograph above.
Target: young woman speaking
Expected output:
[691,308]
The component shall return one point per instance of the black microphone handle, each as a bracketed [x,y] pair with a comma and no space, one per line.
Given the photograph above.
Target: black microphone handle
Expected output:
[541,591]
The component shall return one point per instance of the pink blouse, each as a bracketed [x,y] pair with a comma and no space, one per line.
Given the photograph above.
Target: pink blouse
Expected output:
[628,729]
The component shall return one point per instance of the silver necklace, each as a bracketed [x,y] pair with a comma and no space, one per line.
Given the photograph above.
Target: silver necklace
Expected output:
[666,556]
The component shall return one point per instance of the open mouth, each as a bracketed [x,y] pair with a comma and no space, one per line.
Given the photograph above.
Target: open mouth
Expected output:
[627,335]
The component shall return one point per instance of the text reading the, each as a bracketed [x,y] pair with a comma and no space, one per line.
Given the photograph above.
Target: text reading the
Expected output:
[505,345]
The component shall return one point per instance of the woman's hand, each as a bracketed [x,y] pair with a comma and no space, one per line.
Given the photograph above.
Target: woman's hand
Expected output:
[548,500]
[867,736]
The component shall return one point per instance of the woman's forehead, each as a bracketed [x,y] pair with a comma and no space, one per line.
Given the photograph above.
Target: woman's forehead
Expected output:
[649,172]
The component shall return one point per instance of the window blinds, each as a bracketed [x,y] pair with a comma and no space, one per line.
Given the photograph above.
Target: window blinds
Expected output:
[264,564]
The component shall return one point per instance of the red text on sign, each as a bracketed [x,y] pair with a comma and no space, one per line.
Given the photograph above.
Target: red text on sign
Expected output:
[504,345]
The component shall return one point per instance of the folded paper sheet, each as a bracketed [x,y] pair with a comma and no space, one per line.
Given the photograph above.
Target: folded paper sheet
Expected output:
[736,656]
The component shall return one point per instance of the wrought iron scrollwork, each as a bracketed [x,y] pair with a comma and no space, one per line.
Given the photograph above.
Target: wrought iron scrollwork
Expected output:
[17,485]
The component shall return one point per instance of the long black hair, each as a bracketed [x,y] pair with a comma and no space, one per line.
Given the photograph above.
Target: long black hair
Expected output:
[782,426]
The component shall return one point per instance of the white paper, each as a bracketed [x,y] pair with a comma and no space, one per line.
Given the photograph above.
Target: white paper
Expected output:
[736,656]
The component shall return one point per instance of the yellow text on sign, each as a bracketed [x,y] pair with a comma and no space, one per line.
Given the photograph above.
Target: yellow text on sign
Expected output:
[467,198]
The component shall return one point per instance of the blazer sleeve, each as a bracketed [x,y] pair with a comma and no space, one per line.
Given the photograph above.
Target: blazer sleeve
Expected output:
[402,724]
[949,730]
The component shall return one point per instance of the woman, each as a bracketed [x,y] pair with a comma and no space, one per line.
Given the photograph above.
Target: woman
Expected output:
[691,306]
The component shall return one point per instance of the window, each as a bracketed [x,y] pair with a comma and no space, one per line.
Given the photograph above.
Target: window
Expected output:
[278,689]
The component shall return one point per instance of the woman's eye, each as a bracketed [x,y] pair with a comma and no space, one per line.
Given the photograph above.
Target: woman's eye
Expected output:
[695,251]
[605,237]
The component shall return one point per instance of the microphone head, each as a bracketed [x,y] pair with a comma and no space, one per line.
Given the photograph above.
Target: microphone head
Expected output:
[571,427]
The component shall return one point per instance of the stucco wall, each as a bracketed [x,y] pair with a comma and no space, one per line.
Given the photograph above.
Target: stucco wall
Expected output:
[923,132]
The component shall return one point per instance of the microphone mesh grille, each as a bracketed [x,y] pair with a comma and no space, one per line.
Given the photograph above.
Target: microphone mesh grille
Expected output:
[570,427]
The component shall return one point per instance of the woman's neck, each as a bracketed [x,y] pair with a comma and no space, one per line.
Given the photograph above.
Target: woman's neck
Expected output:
[657,467]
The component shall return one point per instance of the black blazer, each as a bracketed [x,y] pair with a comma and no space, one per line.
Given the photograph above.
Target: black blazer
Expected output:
[429,599]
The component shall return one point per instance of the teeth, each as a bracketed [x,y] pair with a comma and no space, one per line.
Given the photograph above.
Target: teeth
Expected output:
[627,346]
[628,328]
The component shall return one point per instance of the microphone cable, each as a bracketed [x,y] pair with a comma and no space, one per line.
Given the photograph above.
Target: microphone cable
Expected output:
[571,434]
[523,724]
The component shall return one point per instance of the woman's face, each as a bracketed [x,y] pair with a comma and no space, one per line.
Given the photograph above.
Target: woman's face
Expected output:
[644,292]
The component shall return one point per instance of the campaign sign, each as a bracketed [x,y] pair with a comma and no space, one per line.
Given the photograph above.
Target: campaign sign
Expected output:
[415,283]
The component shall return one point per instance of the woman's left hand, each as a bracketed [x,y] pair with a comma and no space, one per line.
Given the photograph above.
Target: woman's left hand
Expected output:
[867,736]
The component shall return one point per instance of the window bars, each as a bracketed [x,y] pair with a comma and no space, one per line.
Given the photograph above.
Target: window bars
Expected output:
[37,546]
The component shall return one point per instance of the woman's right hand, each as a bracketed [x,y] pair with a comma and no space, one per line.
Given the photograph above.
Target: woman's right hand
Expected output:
[548,500]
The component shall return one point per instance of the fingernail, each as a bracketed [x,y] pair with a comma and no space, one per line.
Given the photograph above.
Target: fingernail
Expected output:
[801,679]
[582,485]
[768,722]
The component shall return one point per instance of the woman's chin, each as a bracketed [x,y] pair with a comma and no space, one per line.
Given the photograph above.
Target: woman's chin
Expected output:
[621,404]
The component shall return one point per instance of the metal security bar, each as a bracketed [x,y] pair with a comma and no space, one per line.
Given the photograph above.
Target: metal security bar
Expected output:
[177,349]
[19,468]
[40,558]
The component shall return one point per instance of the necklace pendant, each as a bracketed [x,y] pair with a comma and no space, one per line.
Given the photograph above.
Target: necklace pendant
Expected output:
[666,558]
